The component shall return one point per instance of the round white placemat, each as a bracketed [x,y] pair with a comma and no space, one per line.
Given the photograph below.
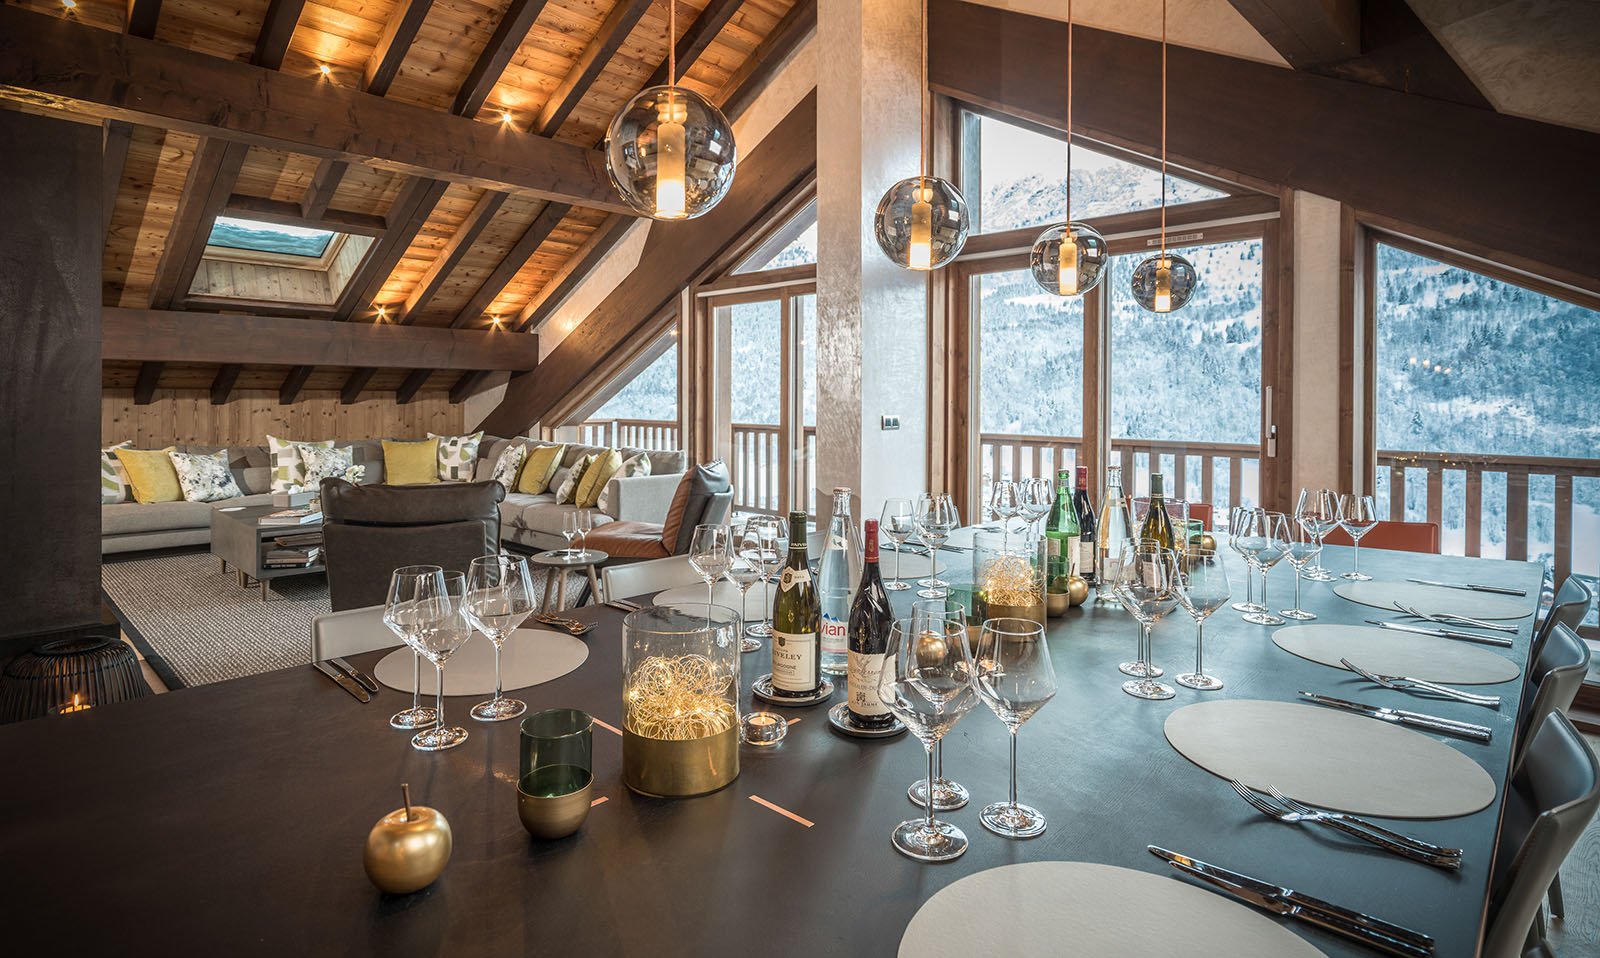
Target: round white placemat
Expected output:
[1435,600]
[725,594]
[1387,652]
[1082,908]
[1338,760]
[530,656]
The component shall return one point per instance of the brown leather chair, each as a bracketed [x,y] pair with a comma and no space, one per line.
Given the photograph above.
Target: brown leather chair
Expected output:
[705,495]
[369,531]
[1399,536]
[1197,510]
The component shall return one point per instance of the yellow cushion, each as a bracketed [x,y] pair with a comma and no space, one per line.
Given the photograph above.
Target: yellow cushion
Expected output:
[151,474]
[410,463]
[540,468]
[594,480]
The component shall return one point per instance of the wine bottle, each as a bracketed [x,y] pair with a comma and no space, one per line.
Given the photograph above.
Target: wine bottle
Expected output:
[836,579]
[1086,526]
[1157,526]
[796,646]
[870,618]
[1061,533]
[1114,530]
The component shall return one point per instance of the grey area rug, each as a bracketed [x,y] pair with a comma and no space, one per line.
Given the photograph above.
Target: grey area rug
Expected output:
[195,625]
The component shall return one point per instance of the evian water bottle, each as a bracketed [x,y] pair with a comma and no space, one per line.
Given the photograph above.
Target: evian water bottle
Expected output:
[836,584]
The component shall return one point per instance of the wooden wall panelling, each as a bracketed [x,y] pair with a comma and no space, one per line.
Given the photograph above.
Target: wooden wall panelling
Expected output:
[188,416]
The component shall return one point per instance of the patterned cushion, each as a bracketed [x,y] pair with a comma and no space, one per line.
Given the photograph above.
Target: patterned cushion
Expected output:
[509,466]
[632,467]
[457,455]
[326,463]
[599,472]
[567,488]
[151,474]
[288,469]
[114,485]
[410,463]
[204,478]
[538,474]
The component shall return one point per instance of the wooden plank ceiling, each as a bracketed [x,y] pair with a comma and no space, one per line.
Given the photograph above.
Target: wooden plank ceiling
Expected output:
[446,253]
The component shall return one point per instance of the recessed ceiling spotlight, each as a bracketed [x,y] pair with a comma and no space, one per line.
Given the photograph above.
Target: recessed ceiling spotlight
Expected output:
[70,4]
[324,69]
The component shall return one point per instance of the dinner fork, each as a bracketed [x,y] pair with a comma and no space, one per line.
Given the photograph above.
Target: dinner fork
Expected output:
[1409,848]
[1370,826]
[1448,618]
[1404,683]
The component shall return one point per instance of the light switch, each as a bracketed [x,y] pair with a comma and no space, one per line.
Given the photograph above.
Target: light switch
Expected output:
[891,422]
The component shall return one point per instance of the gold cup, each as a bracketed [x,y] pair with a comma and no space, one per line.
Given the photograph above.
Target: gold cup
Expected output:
[550,817]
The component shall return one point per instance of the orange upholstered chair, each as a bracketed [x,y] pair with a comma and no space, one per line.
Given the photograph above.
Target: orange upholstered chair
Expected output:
[1399,536]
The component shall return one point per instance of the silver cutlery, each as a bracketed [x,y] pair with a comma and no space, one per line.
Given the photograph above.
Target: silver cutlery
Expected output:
[1281,812]
[1494,640]
[1418,843]
[1405,683]
[1448,618]
[343,681]
[1471,587]
[362,679]
[1384,936]
[570,626]
[622,605]
[1431,723]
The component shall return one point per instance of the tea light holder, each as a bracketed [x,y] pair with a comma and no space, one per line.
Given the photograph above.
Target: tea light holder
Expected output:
[763,729]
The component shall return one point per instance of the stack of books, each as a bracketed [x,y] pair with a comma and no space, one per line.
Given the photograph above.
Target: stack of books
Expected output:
[286,558]
[291,517]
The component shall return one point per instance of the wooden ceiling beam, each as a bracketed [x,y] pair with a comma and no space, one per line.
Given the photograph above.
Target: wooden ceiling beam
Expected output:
[222,385]
[1306,32]
[410,211]
[324,183]
[411,385]
[460,242]
[206,189]
[398,35]
[695,40]
[115,152]
[354,384]
[293,214]
[142,17]
[1399,52]
[155,336]
[624,16]
[144,389]
[466,385]
[277,29]
[769,58]
[511,264]
[293,382]
[492,60]
[571,274]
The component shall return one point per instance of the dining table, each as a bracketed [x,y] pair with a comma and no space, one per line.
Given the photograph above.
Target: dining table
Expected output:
[231,817]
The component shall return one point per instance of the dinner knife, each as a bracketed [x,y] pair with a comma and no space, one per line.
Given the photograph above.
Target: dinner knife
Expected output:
[1383,935]
[1471,587]
[362,679]
[344,681]
[1443,633]
[1432,723]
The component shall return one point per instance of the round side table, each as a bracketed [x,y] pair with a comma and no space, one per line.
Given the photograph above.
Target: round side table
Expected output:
[556,564]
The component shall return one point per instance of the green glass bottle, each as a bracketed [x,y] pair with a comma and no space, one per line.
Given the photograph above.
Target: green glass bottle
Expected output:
[1061,533]
[1157,526]
[796,615]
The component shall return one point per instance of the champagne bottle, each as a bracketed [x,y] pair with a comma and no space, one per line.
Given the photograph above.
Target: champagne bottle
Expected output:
[796,645]
[1157,526]
[1115,529]
[1086,526]
[1061,533]
[870,618]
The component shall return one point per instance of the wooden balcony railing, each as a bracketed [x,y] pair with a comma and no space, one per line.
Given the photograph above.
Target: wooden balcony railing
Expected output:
[760,479]
[652,434]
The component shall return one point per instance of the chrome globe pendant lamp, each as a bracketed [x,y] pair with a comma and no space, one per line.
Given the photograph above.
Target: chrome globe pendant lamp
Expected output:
[1068,259]
[669,152]
[1163,283]
[922,221]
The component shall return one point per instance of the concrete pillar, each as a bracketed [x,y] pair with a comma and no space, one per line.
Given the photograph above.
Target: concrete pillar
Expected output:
[1316,462]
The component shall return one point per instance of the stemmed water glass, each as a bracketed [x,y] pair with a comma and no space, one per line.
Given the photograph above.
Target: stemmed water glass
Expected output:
[1014,677]
[570,530]
[1147,584]
[409,586]
[927,684]
[1318,511]
[445,629]
[1357,515]
[585,523]
[897,523]
[1202,590]
[936,519]
[1238,526]
[1265,543]
[499,599]
[1005,501]
[1038,496]
[938,616]
[769,530]
[711,555]
[746,570]
[1304,547]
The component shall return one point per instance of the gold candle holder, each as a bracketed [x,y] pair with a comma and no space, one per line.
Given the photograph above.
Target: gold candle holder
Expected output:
[680,734]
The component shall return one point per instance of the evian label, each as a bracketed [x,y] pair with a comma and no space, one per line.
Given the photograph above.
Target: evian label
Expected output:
[794,661]
[835,639]
[793,577]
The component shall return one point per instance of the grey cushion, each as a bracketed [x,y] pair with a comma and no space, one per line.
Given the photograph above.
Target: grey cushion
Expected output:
[251,467]
[516,503]
[254,499]
[662,462]
[123,518]
[369,453]
[547,517]
[489,450]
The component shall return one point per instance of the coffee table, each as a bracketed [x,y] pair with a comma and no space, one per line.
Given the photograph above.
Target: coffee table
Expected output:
[556,564]
[239,539]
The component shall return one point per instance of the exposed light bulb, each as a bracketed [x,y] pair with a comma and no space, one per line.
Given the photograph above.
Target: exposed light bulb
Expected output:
[1163,297]
[671,143]
[383,312]
[919,254]
[505,117]
[1067,265]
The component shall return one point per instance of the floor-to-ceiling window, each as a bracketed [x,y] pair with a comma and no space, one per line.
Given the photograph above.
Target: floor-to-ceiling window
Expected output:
[642,408]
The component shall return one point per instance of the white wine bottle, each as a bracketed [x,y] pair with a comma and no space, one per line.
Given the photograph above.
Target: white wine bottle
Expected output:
[796,614]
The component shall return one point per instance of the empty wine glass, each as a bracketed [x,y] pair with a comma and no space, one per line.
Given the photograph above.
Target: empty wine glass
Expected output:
[1005,501]
[1357,514]
[1238,527]
[1147,584]
[1013,676]
[1038,496]
[408,586]
[927,684]
[585,523]
[1202,590]
[936,519]
[1267,542]
[499,599]
[897,523]
[570,522]
[938,615]
[711,554]
[445,629]
[746,570]
[1302,552]
[770,530]
[1318,510]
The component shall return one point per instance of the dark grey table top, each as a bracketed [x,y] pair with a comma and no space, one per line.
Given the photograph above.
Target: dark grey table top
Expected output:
[231,817]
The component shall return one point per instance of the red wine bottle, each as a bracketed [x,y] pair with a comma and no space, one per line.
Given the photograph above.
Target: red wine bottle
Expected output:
[870,617]
[1087,540]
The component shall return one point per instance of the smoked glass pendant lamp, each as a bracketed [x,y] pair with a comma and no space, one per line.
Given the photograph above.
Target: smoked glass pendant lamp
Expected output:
[922,221]
[669,152]
[1164,282]
[1068,259]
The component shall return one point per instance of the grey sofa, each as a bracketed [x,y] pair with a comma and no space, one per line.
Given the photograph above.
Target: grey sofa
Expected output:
[531,521]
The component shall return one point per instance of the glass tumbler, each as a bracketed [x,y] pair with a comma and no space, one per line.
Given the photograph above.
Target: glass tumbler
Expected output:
[555,772]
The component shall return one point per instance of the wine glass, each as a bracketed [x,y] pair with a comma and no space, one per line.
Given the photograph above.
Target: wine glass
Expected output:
[1304,547]
[1238,525]
[585,523]
[1147,584]
[927,684]
[1202,590]
[936,519]
[1038,496]
[499,599]
[1005,501]
[938,615]
[897,523]
[445,629]
[569,530]
[408,586]
[746,570]
[770,530]
[1357,514]
[1013,676]
[1319,511]
[1267,543]
[711,555]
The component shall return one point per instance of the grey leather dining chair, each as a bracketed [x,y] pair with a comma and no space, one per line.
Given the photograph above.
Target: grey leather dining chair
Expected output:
[1571,604]
[1554,678]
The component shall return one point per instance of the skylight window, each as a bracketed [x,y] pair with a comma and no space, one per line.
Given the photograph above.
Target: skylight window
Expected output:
[257,237]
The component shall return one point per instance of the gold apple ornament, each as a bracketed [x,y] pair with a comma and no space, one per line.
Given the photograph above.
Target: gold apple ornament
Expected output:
[408,848]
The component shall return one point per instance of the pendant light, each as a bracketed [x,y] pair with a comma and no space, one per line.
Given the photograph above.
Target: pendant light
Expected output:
[669,152]
[1163,283]
[922,221]
[1068,259]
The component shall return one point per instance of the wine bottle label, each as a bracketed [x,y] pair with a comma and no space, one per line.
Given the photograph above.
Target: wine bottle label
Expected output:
[1073,555]
[793,577]
[865,670]
[1053,546]
[794,661]
[1085,556]
[835,637]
